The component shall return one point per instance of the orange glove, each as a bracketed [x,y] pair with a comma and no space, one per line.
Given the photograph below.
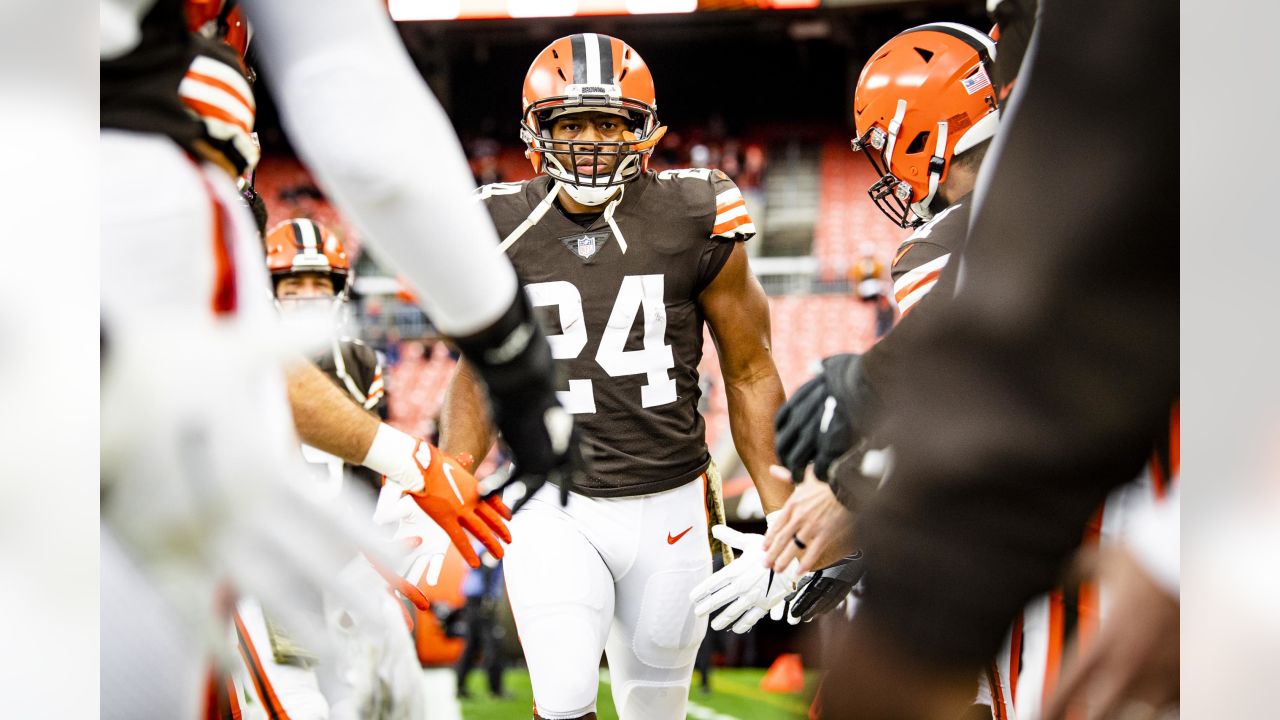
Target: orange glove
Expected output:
[450,498]
[442,488]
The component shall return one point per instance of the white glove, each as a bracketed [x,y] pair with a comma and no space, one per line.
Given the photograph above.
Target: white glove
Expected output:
[748,587]
[425,560]
[199,463]
[379,677]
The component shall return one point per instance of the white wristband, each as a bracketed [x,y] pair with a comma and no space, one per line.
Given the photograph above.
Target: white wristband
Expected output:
[391,454]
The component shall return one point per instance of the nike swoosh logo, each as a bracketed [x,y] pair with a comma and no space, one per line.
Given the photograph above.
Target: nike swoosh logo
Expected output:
[448,473]
[673,539]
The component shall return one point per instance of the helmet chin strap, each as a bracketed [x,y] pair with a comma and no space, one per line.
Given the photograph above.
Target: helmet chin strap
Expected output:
[534,216]
[613,225]
[894,126]
[936,165]
[538,212]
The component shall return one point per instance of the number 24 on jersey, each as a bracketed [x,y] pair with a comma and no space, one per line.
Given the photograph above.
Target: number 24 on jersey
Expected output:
[653,360]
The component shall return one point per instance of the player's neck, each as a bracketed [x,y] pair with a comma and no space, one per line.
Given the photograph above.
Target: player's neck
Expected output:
[958,184]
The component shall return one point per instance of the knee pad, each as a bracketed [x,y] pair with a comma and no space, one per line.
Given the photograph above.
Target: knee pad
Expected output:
[652,700]
[667,633]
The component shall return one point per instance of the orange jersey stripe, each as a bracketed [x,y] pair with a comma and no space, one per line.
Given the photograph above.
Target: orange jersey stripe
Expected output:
[902,253]
[906,291]
[234,697]
[1088,606]
[224,289]
[1015,658]
[213,111]
[999,710]
[729,206]
[728,225]
[259,676]
[1159,483]
[1053,659]
[225,87]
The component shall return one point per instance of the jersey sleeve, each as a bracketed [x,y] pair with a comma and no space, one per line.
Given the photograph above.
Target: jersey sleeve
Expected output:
[731,219]
[915,271]
[377,396]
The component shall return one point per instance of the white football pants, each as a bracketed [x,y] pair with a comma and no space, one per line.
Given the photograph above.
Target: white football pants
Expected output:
[610,575]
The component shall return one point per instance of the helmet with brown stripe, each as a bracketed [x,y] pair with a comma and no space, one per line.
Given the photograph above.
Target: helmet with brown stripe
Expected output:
[301,246]
[923,98]
[588,72]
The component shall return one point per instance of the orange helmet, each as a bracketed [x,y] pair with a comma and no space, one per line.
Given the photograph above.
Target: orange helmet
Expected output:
[590,72]
[923,98]
[220,20]
[304,246]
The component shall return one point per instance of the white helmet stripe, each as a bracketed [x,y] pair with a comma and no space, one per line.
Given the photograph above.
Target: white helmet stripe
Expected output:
[977,36]
[592,43]
[310,238]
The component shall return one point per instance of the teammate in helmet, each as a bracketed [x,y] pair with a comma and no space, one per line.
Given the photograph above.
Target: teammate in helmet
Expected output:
[625,264]
[311,274]
[924,111]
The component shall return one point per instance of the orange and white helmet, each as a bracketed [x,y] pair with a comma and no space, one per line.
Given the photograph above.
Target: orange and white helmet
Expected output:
[300,246]
[923,98]
[590,72]
[220,20]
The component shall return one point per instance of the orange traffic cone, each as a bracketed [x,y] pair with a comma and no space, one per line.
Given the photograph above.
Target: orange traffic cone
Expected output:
[786,675]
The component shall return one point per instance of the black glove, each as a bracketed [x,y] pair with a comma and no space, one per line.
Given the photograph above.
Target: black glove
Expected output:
[816,425]
[821,591]
[514,360]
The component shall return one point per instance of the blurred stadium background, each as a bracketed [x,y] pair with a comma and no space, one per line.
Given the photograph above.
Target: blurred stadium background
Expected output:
[821,254]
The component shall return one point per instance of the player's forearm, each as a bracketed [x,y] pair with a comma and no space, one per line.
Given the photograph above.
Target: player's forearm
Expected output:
[365,124]
[327,418]
[753,401]
[464,419]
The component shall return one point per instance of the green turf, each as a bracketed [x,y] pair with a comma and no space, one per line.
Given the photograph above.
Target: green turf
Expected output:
[735,693]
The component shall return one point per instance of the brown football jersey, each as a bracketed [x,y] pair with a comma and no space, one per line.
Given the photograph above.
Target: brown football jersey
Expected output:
[361,378]
[622,316]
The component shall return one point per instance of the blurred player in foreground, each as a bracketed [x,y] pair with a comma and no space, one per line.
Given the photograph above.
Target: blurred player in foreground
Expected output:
[1020,416]
[182,274]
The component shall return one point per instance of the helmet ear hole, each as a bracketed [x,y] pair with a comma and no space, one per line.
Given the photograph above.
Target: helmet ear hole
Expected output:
[918,142]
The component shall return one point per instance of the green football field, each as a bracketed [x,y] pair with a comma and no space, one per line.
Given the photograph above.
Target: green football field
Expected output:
[735,695]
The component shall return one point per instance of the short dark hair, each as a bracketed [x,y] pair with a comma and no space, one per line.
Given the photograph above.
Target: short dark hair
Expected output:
[971,159]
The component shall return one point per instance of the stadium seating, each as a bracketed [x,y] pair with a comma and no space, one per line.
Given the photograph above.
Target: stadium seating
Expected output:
[289,191]
[846,216]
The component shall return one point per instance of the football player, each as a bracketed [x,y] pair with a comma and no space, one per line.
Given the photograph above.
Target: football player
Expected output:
[311,275]
[1029,660]
[625,264]
[179,251]
[925,111]
[311,278]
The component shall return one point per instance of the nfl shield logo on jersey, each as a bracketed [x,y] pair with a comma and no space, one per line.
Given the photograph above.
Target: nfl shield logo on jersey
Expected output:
[586,245]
